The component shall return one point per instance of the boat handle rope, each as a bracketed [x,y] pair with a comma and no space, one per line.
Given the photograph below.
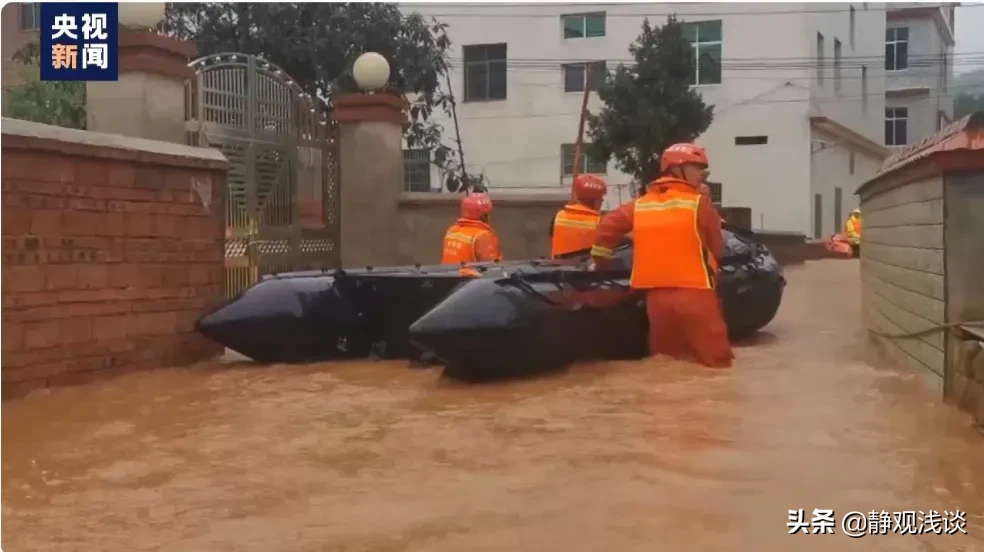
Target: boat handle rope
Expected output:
[927,331]
[517,279]
[561,276]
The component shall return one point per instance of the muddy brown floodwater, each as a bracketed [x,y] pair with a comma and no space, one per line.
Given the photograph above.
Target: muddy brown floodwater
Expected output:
[620,456]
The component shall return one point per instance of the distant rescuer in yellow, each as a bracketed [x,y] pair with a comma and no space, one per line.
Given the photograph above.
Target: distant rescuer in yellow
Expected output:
[852,229]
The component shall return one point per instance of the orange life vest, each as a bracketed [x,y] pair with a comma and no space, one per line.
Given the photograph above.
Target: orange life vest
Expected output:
[575,227]
[669,252]
[459,241]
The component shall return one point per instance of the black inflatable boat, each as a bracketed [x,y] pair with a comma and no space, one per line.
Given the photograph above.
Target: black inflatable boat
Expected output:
[329,315]
[538,319]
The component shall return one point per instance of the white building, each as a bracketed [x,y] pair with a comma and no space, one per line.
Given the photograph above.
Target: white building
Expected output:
[799,98]
[919,67]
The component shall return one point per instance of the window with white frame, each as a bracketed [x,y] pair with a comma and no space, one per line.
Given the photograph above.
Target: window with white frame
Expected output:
[837,66]
[820,46]
[588,165]
[577,75]
[583,25]
[896,48]
[30,13]
[705,38]
[485,72]
[896,126]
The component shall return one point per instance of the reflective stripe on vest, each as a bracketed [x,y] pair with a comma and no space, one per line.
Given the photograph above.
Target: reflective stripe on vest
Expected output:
[575,227]
[459,242]
[669,252]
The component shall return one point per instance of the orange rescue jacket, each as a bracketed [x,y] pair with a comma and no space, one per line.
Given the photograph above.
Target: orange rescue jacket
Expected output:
[470,241]
[574,228]
[669,251]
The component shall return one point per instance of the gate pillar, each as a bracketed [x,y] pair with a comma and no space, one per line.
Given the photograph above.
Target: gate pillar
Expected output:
[148,100]
[371,154]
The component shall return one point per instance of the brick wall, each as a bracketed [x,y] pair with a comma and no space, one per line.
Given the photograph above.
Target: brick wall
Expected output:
[112,247]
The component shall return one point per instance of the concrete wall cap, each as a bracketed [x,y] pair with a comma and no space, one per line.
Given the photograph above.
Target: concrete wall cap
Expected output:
[48,137]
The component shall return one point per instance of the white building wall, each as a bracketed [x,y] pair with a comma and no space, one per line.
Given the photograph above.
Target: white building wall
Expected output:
[859,102]
[856,100]
[922,110]
[830,169]
[923,87]
[517,141]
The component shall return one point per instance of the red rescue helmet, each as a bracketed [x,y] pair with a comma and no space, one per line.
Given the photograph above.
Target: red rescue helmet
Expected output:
[680,154]
[475,206]
[588,187]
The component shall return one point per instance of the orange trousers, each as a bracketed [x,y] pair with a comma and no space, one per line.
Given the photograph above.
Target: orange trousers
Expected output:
[687,324]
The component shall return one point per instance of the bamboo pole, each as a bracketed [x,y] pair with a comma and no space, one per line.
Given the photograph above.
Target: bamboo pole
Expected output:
[580,128]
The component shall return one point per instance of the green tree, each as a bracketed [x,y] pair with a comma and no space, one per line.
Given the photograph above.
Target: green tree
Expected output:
[317,44]
[649,105]
[965,104]
[53,103]
[970,93]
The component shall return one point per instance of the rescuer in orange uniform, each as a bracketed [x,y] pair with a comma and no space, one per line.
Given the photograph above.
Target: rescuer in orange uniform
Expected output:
[470,239]
[574,226]
[678,243]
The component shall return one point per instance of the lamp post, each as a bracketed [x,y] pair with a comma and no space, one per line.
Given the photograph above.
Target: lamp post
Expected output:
[370,146]
[140,16]
[371,72]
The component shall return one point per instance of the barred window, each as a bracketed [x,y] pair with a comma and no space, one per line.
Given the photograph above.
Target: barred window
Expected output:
[416,170]
[715,192]
[588,165]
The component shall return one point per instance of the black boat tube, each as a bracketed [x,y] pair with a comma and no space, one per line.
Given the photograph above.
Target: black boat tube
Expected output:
[537,320]
[300,317]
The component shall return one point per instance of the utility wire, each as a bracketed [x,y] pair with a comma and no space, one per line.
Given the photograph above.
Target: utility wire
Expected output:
[820,100]
[846,74]
[586,9]
[876,64]
[534,60]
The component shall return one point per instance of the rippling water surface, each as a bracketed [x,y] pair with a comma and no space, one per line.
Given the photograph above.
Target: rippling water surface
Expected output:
[624,456]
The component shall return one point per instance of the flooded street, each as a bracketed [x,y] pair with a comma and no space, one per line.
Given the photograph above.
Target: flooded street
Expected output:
[624,456]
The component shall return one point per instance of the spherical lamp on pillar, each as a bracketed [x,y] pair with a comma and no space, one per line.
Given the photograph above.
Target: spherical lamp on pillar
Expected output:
[141,15]
[371,71]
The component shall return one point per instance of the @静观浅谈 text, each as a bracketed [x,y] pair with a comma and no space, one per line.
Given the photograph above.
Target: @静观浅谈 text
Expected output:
[857,524]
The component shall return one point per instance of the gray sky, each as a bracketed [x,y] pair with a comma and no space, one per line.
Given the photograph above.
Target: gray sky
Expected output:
[969,20]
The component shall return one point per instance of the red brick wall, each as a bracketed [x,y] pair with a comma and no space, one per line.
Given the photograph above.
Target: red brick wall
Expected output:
[109,256]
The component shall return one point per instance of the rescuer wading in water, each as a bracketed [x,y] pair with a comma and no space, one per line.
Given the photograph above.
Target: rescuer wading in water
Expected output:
[852,230]
[678,244]
[470,239]
[574,226]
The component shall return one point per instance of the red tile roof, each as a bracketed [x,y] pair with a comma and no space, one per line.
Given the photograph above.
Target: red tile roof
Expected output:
[963,139]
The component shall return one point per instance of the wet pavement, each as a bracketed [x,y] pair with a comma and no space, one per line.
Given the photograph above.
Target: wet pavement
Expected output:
[626,456]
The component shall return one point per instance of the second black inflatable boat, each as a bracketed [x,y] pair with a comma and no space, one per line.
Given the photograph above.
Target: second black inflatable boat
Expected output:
[328,315]
[536,319]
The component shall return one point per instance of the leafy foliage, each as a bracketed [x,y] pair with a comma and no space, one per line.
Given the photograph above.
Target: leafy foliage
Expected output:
[965,104]
[53,103]
[970,97]
[317,44]
[649,106]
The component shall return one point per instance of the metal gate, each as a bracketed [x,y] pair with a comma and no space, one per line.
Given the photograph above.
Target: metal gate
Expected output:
[282,208]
